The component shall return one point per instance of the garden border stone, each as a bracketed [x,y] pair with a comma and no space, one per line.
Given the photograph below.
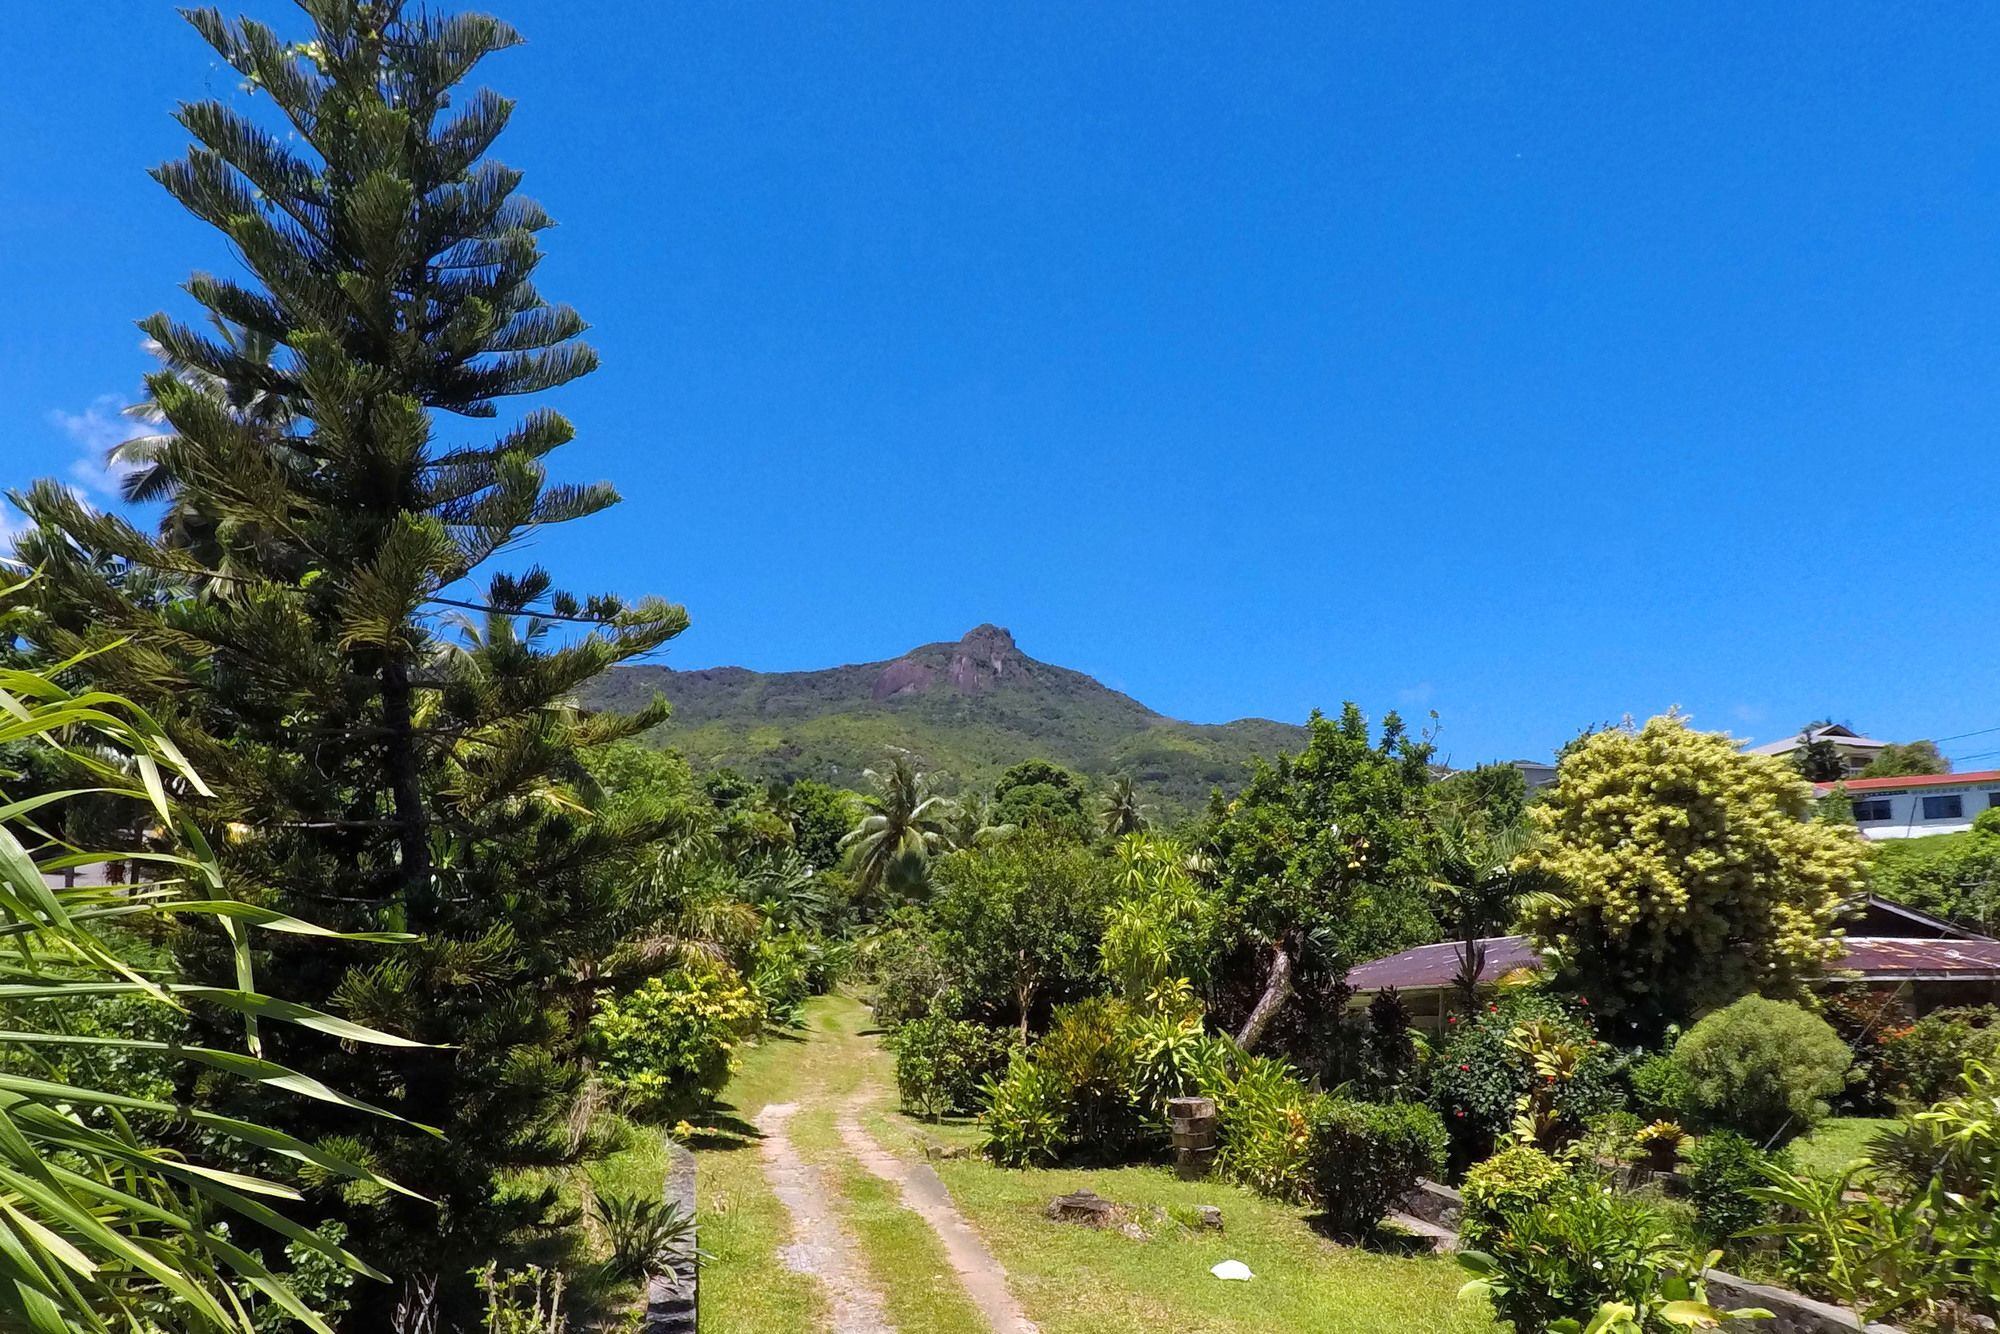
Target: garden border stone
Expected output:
[673,1299]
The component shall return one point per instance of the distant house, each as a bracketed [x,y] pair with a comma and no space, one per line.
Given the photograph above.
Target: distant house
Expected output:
[1930,961]
[1919,804]
[1856,752]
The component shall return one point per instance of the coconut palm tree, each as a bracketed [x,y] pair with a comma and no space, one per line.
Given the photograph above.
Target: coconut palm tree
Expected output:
[969,824]
[1123,813]
[904,825]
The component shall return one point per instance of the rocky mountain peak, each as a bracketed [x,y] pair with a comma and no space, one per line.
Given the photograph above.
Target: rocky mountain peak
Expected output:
[983,657]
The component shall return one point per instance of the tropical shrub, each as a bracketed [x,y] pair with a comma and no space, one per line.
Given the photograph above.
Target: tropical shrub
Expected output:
[1027,1116]
[907,966]
[1659,1086]
[1762,1068]
[944,1064]
[1724,1169]
[1661,1144]
[1850,1245]
[1919,1063]
[670,1045]
[1488,1068]
[1174,1056]
[1089,1053]
[1365,1157]
[1264,1129]
[781,975]
[1516,1178]
[646,1234]
[1561,1263]
[1689,871]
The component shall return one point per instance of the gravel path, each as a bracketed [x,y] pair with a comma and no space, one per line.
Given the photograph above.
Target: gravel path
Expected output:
[821,1244]
[925,1195]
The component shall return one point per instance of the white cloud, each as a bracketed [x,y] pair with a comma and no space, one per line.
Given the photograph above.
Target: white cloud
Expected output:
[94,431]
[1417,696]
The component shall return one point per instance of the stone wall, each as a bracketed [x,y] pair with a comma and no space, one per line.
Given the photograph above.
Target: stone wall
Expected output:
[672,1298]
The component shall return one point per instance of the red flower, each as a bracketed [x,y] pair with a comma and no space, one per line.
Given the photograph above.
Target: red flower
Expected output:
[1465,1067]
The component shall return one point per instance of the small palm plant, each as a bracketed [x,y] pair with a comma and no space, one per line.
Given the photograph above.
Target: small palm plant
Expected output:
[102,1227]
[647,1236]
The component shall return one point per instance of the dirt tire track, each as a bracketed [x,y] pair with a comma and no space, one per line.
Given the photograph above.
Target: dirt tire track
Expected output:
[821,1245]
[924,1194]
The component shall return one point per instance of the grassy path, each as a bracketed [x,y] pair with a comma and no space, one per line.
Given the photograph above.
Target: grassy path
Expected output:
[1066,1279]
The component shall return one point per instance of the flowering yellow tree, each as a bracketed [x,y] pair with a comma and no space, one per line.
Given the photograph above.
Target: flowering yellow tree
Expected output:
[1689,874]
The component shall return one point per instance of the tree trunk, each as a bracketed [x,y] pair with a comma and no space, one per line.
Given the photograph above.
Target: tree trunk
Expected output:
[406,789]
[1277,990]
[1024,996]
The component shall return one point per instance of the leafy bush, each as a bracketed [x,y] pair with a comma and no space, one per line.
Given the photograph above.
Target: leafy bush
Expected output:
[1173,1056]
[1264,1129]
[1659,1086]
[670,1045]
[1366,1156]
[1479,1081]
[1089,1053]
[1027,1115]
[781,975]
[1723,1168]
[1513,1179]
[1763,1068]
[1921,1063]
[908,969]
[943,1064]
[1555,1265]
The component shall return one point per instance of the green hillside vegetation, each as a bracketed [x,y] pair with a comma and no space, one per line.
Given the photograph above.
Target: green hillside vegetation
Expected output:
[964,711]
[1952,875]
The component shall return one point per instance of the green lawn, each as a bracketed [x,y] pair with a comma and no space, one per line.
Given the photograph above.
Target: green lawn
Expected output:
[1836,1142]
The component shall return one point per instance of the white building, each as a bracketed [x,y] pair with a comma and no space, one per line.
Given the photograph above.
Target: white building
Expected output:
[1920,804]
[1856,751]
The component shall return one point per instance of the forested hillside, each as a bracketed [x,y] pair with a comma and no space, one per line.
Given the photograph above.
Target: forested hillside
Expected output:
[966,709]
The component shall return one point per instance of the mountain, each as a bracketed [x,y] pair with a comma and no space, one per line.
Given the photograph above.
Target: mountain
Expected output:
[966,709]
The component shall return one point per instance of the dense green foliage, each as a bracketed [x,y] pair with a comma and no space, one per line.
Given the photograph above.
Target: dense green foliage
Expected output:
[943,1065]
[1555,1265]
[1366,1156]
[1921,1062]
[1956,876]
[334,485]
[1321,861]
[1688,874]
[1763,1068]
[948,708]
[1488,1074]
[114,1189]
[1518,1177]
[669,1046]
[1019,923]
[1723,1169]
[1901,759]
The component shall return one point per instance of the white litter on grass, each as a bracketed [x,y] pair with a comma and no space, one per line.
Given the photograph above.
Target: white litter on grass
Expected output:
[1235,1269]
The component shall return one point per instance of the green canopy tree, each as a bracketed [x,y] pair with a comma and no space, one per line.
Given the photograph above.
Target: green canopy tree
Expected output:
[1323,858]
[1688,874]
[333,489]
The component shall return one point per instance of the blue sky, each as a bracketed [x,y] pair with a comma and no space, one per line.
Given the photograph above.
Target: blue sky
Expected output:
[1533,364]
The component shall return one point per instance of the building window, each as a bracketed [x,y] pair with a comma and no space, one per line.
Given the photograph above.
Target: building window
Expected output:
[1993,799]
[1872,810]
[1944,808]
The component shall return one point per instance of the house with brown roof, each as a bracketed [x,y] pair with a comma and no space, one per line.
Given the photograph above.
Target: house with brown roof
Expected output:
[1928,961]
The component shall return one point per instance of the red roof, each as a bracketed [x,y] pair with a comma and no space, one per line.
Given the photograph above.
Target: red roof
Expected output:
[1909,781]
[1874,958]
[1882,959]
